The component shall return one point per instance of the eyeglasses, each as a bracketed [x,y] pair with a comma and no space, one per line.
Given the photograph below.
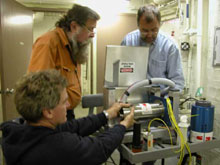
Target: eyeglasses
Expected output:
[148,32]
[89,30]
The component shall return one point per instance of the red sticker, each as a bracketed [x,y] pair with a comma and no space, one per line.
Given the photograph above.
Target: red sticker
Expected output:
[207,138]
[126,70]
[199,137]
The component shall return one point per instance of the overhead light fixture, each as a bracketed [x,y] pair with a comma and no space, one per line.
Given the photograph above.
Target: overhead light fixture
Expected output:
[22,19]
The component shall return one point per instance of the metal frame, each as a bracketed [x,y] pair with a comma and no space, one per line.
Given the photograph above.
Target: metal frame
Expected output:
[165,152]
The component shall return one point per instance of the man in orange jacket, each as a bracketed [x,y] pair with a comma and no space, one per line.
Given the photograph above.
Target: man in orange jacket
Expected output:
[65,48]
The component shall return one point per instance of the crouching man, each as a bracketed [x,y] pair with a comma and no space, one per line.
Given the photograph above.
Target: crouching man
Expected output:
[47,137]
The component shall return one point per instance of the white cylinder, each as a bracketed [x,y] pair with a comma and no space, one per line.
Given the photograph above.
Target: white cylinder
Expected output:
[183,125]
[184,131]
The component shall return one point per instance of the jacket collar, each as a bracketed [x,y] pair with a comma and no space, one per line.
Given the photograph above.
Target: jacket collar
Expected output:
[63,36]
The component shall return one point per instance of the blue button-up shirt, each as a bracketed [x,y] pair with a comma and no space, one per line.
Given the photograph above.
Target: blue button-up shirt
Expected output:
[164,57]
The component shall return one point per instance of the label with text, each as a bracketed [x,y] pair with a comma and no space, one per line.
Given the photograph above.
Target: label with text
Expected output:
[127,67]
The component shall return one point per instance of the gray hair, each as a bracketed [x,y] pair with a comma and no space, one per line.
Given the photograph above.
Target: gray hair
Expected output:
[37,91]
[79,14]
[150,11]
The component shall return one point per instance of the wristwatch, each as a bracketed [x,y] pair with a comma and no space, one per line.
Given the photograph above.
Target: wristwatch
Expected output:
[106,114]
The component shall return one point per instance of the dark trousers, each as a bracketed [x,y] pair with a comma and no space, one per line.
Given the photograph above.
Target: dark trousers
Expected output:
[70,114]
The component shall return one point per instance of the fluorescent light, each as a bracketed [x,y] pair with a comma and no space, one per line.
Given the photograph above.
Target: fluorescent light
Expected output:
[108,9]
[22,19]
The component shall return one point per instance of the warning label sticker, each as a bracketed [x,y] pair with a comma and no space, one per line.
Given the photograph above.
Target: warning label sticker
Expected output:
[127,70]
[127,67]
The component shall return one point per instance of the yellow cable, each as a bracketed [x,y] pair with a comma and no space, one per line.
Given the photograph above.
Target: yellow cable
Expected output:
[183,141]
[165,126]
[176,128]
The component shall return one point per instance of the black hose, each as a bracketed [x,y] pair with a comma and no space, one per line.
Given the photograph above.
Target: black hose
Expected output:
[188,99]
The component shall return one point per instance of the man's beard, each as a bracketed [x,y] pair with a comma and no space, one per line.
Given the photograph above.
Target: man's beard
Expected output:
[80,51]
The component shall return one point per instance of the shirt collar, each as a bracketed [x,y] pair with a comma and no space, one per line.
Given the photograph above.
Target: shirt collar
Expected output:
[63,36]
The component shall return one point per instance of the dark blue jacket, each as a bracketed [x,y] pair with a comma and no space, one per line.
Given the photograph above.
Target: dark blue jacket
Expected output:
[69,144]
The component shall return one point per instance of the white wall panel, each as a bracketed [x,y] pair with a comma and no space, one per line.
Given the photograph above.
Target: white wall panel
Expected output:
[211,79]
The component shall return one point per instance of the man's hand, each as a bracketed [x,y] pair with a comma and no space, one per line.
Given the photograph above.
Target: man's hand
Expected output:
[129,119]
[113,111]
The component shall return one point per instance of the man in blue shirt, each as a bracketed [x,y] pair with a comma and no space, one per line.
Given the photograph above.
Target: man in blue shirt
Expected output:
[164,56]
